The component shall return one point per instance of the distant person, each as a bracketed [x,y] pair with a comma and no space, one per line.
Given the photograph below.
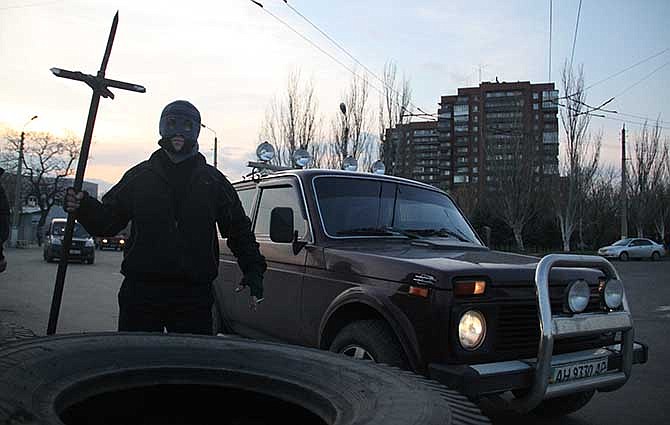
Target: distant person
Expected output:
[4,223]
[175,201]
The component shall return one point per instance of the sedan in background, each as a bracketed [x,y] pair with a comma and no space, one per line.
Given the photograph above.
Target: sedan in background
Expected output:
[628,248]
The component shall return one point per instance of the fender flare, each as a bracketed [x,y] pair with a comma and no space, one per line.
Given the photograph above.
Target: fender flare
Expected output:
[400,324]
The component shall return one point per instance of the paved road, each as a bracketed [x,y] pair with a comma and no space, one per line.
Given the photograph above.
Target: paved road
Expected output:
[90,304]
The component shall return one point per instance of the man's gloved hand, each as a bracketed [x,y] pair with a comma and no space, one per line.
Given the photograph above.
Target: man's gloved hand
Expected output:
[73,200]
[255,284]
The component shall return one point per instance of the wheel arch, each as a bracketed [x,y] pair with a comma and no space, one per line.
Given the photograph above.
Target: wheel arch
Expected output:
[360,304]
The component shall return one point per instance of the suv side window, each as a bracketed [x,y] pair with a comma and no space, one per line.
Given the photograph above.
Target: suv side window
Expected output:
[247,197]
[279,196]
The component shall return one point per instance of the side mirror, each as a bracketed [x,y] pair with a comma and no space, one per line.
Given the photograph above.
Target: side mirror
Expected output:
[281,225]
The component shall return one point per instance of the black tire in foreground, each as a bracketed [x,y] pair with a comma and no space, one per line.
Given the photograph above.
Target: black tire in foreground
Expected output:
[116,378]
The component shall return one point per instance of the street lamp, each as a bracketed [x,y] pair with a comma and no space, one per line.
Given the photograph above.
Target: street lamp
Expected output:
[215,144]
[345,141]
[17,188]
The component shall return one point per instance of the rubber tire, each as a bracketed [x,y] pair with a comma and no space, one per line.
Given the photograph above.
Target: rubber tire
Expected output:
[655,256]
[376,337]
[624,256]
[561,406]
[43,374]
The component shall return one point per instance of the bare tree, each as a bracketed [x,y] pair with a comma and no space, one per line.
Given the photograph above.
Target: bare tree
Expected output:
[581,157]
[350,129]
[649,157]
[514,177]
[393,108]
[47,160]
[291,120]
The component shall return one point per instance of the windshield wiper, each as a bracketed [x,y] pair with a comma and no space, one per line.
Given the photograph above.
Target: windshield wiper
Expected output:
[441,232]
[379,231]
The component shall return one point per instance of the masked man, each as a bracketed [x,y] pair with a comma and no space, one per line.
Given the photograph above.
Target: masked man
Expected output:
[175,201]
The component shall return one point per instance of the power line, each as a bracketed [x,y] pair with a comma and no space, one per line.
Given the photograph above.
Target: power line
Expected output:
[616,74]
[642,79]
[29,5]
[331,56]
[338,45]
[574,39]
[641,124]
[641,117]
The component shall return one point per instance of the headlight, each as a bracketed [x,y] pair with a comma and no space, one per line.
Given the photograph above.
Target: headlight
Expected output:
[104,241]
[89,243]
[613,294]
[578,296]
[472,329]
[122,242]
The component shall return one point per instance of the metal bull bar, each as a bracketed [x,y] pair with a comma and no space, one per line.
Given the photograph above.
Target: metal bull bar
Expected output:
[552,328]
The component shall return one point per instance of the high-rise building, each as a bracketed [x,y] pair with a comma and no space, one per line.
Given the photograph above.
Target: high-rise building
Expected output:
[475,135]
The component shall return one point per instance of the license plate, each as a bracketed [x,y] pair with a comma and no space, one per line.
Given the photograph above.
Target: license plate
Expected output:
[573,371]
[75,251]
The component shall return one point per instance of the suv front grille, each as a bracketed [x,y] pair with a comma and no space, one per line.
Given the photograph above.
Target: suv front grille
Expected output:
[518,328]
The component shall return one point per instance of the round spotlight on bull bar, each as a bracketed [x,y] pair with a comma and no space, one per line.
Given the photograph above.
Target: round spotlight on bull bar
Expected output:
[578,296]
[265,152]
[301,158]
[472,329]
[378,167]
[350,164]
[613,294]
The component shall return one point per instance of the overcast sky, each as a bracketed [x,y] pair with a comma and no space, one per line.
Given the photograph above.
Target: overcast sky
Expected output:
[230,57]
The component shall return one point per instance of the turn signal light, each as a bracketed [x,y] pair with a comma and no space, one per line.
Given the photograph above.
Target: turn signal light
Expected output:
[418,291]
[469,287]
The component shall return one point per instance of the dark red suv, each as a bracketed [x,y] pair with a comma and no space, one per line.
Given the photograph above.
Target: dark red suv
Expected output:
[389,269]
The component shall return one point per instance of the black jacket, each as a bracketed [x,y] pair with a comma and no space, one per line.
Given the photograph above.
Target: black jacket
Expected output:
[175,241]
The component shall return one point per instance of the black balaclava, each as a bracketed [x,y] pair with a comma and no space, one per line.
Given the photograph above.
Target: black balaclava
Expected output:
[180,118]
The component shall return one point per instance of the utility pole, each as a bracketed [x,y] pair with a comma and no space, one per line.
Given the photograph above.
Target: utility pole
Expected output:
[624,198]
[16,216]
[216,149]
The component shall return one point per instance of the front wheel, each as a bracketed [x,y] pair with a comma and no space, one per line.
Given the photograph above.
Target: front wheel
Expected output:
[623,256]
[561,406]
[370,340]
[655,256]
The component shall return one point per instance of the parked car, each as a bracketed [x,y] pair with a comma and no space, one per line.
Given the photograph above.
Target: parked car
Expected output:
[628,248]
[387,269]
[83,246]
[111,242]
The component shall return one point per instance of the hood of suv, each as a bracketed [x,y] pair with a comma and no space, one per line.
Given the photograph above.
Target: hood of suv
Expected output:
[398,261]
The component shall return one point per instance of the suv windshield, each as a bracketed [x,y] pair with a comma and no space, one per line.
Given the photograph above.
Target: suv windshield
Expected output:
[58,229]
[367,207]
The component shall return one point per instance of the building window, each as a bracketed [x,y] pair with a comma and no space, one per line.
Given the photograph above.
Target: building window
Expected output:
[536,95]
[461,179]
[536,106]
[550,99]
[462,150]
[475,179]
[550,137]
[460,110]
[475,170]
[475,108]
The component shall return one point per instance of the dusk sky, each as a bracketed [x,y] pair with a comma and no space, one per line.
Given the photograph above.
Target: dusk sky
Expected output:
[230,58]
